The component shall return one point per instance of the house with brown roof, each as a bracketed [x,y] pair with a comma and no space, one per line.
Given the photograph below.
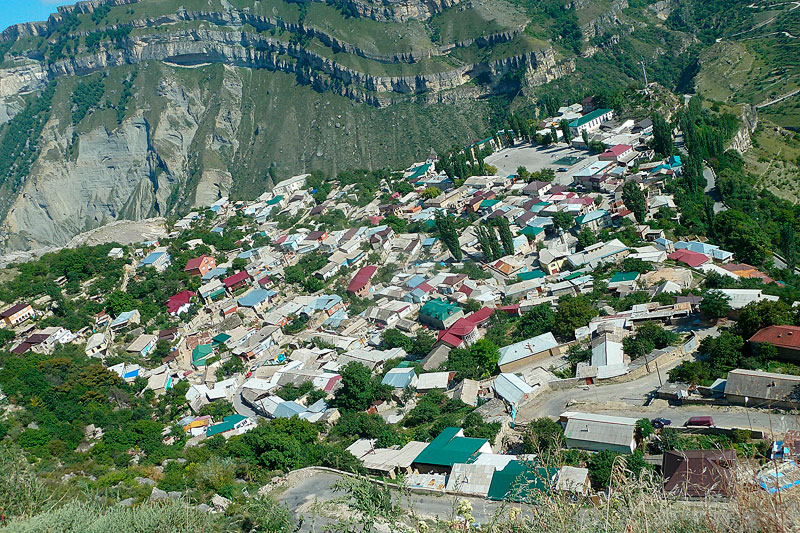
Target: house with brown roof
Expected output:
[699,473]
[17,314]
[236,281]
[785,338]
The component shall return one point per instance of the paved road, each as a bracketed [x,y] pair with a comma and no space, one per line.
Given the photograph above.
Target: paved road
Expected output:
[711,189]
[304,496]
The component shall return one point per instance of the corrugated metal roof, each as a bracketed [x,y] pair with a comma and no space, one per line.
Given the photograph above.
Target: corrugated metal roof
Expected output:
[450,448]
[601,429]
[520,482]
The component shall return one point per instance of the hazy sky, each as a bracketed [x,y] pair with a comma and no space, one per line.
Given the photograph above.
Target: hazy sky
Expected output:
[13,11]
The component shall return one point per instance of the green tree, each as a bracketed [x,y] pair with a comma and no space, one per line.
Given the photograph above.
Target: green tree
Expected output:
[470,306]
[662,136]
[739,233]
[505,235]
[758,315]
[475,362]
[494,242]
[644,428]
[238,264]
[523,173]
[429,193]
[542,437]
[119,302]
[586,238]
[600,467]
[715,304]
[563,220]
[359,388]
[633,198]
[573,312]
[536,321]
[448,234]
[482,235]
[565,131]
[394,338]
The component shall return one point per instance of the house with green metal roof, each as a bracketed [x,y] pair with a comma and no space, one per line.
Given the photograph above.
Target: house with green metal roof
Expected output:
[440,313]
[229,423]
[201,354]
[533,274]
[521,482]
[532,232]
[449,448]
[623,279]
[590,121]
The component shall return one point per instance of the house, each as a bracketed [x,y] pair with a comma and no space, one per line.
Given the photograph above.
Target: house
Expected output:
[386,462]
[98,343]
[714,252]
[289,186]
[598,254]
[607,356]
[400,378]
[142,344]
[462,333]
[177,304]
[621,280]
[434,381]
[536,188]
[573,479]
[236,281]
[17,314]
[231,425]
[743,270]
[785,338]
[739,298]
[158,259]
[594,220]
[528,352]
[699,473]
[360,284]
[440,314]
[753,388]
[688,257]
[513,390]
[521,482]
[116,253]
[125,319]
[590,121]
[256,299]
[200,266]
[619,153]
[211,290]
[600,432]
[447,449]
[552,260]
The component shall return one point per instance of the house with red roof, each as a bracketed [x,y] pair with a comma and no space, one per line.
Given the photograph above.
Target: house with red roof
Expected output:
[200,266]
[236,281]
[616,153]
[687,257]
[179,303]
[461,334]
[360,284]
[785,338]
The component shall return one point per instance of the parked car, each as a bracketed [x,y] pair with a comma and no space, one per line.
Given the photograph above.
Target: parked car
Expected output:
[700,421]
[659,423]
[562,169]
[248,375]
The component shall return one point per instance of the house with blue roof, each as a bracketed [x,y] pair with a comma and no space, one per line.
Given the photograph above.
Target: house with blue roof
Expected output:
[400,378]
[289,410]
[336,319]
[215,273]
[125,319]
[711,250]
[256,299]
[158,259]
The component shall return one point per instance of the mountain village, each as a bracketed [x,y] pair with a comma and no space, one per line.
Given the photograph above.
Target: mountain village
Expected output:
[556,290]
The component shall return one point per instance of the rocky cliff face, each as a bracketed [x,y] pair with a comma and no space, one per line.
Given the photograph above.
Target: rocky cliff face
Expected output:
[742,142]
[398,10]
[226,101]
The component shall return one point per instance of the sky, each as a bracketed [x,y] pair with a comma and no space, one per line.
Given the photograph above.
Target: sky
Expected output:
[14,11]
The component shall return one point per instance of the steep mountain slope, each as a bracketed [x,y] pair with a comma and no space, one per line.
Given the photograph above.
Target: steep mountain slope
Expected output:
[133,108]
